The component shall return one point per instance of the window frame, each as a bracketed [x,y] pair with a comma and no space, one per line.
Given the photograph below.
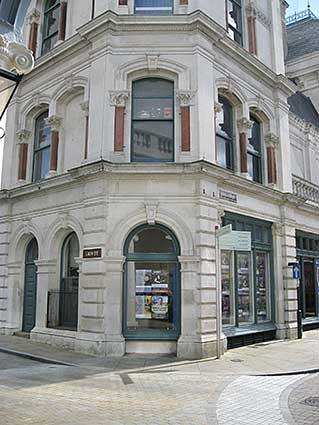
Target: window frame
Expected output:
[256,156]
[239,32]
[55,33]
[133,120]
[36,148]
[230,142]
[155,13]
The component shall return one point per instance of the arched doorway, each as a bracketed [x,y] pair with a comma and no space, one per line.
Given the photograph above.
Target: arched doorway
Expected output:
[69,286]
[30,286]
[151,285]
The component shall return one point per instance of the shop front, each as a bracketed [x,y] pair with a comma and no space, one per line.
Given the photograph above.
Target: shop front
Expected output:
[247,280]
[308,257]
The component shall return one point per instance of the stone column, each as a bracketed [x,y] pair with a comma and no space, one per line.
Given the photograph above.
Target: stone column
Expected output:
[251,26]
[185,98]
[46,274]
[244,124]
[14,301]
[271,142]
[23,140]
[279,291]
[62,20]
[34,21]
[55,124]
[119,99]
[85,109]
[115,342]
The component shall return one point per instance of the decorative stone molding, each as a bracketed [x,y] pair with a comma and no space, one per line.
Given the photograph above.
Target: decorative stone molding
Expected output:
[244,124]
[271,140]
[15,56]
[54,122]
[152,62]
[119,97]
[63,219]
[151,212]
[220,215]
[185,97]
[34,16]
[23,135]
[26,225]
[277,229]
[253,11]
[218,107]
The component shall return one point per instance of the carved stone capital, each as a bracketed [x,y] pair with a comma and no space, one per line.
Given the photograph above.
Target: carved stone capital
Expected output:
[220,215]
[271,140]
[54,122]
[218,107]
[244,124]
[85,107]
[151,212]
[185,97]
[34,16]
[119,97]
[277,229]
[23,135]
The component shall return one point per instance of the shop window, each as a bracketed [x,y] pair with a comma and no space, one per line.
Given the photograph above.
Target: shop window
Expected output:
[153,121]
[247,276]
[254,151]
[224,134]
[50,25]
[42,142]
[234,20]
[153,7]
[151,284]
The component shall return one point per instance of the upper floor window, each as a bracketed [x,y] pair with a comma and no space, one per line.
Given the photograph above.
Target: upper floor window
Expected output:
[224,134]
[42,143]
[8,10]
[154,7]
[50,25]
[153,120]
[234,20]
[254,151]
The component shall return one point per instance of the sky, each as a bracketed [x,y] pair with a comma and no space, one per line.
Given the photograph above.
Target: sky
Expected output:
[299,5]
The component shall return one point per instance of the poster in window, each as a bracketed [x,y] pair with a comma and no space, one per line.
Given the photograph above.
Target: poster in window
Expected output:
[160,307]
[143,277]
[143,306]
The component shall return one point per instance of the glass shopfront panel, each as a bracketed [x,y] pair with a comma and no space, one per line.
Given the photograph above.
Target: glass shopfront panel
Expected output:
[247,277]
[151,285]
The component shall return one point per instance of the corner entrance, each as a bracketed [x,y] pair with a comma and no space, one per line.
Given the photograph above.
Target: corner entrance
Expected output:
[30,286]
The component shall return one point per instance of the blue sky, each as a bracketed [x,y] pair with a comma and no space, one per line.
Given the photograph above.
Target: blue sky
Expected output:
[299,5]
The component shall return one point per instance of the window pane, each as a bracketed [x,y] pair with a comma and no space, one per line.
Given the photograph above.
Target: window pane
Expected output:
[51,3]
[154,6]
[234,15]
[150,109]
[51,22]
[221,152]
[41,164]
[49,44]
[153,141]
[153,87]
[42,132]
[254,137]
[262,287]
[151,240]
[245,296]
[228,304]
[151,295]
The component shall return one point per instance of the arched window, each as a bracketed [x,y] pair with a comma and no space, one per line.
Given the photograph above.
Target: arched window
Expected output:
[42,142]
[50,24]
[69,287]
[151,284]
[254,151]
[153,120]
[153,7]
[224,134]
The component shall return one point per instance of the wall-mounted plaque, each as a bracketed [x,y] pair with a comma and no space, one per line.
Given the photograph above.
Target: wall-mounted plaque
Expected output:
[92,253]
[228,196]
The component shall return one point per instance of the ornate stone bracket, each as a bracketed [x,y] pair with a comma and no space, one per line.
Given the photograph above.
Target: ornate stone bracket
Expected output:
[271,140]
[85,107]
[218,107]
[119,98]
[151,212]
[185,97]
[23,135]
[34,16]
[152,62]
[54,122]
[15,56]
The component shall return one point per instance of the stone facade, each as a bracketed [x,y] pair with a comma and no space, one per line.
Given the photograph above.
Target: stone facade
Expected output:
[96,191]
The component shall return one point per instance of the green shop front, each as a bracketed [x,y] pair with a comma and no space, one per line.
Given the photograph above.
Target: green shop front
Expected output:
[247,280]
[308,256]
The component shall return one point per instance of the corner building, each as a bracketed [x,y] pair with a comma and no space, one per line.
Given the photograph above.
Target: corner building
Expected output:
[144,125]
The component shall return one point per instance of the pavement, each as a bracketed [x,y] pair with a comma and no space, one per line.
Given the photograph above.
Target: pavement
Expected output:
[273,383]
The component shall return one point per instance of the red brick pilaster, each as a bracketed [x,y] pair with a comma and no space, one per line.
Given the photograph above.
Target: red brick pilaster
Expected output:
[252,37]
[244,125]
[62,20]
[119,99]
[55,123]
[185,99]
[271,142]
[23,157]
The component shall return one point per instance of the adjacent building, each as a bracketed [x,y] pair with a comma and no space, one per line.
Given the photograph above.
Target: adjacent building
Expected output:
[145,125]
